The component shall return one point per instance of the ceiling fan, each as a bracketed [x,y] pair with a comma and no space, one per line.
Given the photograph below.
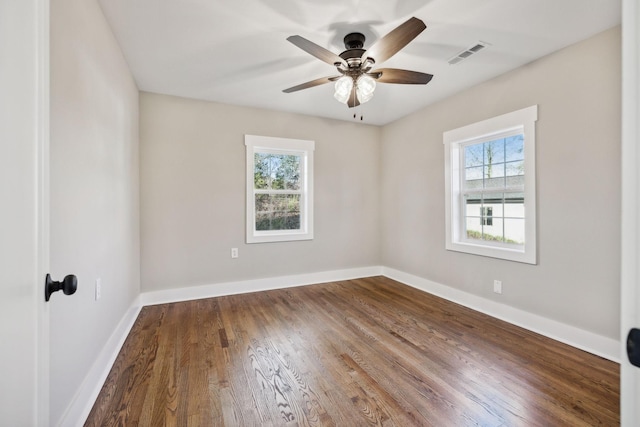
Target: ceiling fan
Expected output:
[357,79]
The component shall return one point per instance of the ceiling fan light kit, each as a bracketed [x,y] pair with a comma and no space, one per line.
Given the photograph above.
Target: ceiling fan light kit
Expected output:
[365,86]
[357,79]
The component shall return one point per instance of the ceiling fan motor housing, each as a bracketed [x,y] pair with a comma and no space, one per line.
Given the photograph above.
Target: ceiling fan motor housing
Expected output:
[354,41]
[352,56]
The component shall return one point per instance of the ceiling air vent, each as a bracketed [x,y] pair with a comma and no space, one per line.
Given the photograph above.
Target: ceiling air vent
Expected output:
[464,54]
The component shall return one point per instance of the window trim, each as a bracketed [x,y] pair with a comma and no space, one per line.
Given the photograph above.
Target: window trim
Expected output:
[267,144]
[486,130]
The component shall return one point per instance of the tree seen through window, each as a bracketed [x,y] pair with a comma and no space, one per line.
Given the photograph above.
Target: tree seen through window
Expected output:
[277,191]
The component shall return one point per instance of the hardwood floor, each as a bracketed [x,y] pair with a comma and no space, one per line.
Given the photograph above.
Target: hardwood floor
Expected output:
[361,352]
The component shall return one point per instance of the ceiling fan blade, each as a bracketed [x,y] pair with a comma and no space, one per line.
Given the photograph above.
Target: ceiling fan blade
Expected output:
[312,83]
[317,51]
[353,98]
[398,38]
[395,75]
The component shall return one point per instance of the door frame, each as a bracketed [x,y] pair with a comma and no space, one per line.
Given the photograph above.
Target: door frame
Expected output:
[42,205]
[630,225]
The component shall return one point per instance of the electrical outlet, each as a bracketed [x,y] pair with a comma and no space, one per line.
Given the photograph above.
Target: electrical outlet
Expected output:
[234,252]
[98,288]
[497,286]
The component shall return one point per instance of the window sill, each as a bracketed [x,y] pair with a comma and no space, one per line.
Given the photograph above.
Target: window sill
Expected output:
[278,237]
[509,254]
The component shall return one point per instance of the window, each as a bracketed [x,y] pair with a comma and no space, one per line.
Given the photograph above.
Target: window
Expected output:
[490,187]
[279,189]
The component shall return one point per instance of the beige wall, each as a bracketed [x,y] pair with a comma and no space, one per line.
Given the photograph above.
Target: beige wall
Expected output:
[94,192]
[193,194]
[577,277]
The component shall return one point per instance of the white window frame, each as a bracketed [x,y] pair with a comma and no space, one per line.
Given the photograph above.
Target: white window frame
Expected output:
[486,130]
[304,149]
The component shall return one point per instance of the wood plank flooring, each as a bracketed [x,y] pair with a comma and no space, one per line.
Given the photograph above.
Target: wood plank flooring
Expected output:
[354,353]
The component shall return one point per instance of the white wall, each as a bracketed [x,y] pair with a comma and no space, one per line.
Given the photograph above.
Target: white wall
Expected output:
[576,281]
[193,194]
[94,192]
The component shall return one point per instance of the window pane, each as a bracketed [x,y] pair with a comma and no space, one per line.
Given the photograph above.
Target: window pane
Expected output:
[494,152]
[473,205]
[514,231]
[493,232]
[276,171]
[515,168]
[495,182]
[487,215]
[263,211]
[493,174]
[514,205]
[493,201]
[473,177]
[261,171]
[291,172]
[473,155]
[473,173]
[495,217]
[515,173]
[514,148]
[277,212]
[515,181]
[262,203]
[277,175]
[474,228]
[494,171]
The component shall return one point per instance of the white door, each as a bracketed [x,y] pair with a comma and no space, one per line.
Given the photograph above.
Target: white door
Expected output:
[24,112]
[630,289]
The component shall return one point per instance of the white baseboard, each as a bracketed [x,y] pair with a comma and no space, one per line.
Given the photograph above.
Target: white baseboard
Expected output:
[82,403]
[255,285]
[584,340]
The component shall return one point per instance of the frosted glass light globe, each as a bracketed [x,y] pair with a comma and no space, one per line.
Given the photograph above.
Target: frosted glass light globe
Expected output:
[343,88]
[365,87]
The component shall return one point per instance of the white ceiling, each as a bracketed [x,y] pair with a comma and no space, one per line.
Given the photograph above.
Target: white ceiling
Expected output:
[236,52]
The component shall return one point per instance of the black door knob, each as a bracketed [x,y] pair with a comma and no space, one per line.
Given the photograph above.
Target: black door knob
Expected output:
[633,347]
[68,286]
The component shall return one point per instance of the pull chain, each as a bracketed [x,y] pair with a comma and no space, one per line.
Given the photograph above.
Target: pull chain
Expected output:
[355,115]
